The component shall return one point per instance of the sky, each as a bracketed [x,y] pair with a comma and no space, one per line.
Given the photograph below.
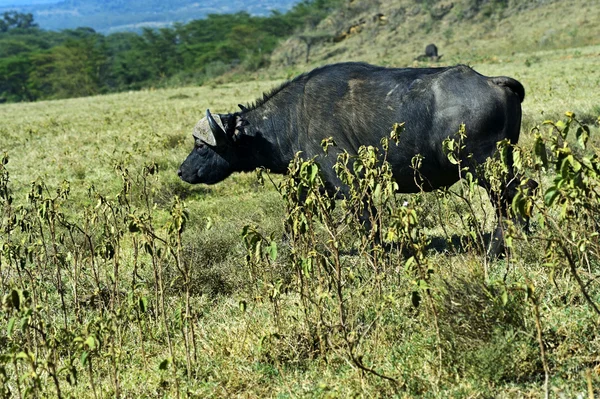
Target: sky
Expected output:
[66,16]
[4,3]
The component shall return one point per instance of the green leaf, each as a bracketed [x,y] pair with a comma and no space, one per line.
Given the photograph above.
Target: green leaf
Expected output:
[314,169]
[449,146]
[452,158]
[91,342]
[583,134]
[24,323]
[272,250]
[564,167]
[243,306]
[504,297]
[257,249]
[540,151]
[517,159]
[11,326]
[505,152]
[84,357]
[518,205]
[307,266]
[409,263]
[508,240]
[391,235]
[551,195]
[530,290]
[377,192]
[575,164]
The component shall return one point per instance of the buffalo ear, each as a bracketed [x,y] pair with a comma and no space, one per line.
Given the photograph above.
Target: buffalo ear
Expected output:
[219,134]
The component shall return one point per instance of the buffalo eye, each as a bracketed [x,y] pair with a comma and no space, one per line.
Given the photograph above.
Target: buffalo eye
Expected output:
[200,145]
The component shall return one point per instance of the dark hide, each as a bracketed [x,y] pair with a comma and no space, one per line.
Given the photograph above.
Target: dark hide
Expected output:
[357,104]
[431,54]
[431,50]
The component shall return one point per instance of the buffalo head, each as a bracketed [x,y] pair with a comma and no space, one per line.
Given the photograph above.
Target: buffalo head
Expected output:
[215,151]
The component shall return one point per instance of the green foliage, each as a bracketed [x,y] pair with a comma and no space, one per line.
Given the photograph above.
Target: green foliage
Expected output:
[14,78]
[15,20]
[37,64]
[477,322]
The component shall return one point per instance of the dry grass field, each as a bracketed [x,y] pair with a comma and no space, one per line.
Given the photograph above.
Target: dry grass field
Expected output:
[119,280]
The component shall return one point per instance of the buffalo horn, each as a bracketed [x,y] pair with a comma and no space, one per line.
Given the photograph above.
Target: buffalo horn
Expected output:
[217,131]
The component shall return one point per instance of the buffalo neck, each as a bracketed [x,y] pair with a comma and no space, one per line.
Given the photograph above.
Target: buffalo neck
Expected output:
[273,129]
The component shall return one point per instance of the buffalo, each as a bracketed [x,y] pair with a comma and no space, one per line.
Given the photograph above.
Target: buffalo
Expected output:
[431,54]
[357,104]
[431,50]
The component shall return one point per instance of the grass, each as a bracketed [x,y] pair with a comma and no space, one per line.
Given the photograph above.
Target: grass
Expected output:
[249,341]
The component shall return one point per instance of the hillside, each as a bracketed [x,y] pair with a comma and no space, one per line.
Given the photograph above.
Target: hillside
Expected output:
[469,31]
[118,15]
[39,64]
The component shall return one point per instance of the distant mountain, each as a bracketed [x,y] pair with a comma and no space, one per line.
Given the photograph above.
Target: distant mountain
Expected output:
[108,16]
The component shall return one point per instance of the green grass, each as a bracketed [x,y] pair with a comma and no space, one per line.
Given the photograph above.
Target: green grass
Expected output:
[245,346]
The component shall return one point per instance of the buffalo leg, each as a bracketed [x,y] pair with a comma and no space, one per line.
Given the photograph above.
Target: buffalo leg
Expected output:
[501,201]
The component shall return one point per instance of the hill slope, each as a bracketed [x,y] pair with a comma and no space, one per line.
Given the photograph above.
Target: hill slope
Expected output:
[117,15]
[395,32]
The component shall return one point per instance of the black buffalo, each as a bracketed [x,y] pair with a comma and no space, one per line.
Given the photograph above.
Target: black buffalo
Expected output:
[357,104]
[431,50]
[431,54]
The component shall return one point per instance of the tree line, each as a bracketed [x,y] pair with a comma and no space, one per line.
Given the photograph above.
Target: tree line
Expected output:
[37,64]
